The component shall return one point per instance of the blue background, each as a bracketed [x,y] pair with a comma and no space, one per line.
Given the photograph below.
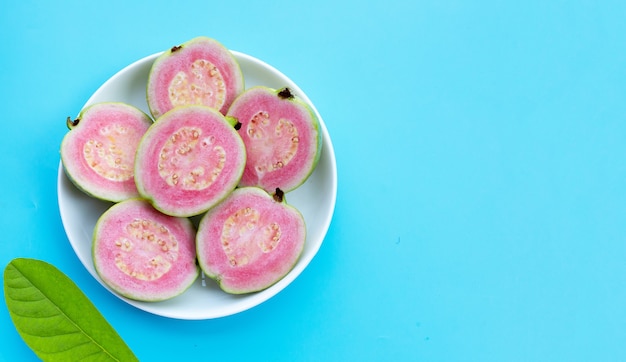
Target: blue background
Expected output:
[481,176]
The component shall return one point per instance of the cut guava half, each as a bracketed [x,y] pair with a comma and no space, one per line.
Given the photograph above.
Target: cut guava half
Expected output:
[143,254]
[189,160]
[250,240]
[282,137]
[199,71]
[98,152]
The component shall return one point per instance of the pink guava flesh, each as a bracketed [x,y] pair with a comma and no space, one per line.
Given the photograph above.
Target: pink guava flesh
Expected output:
[249,241]
[99,150]
[200,71]
[143,254]
[189,160]
[282,138]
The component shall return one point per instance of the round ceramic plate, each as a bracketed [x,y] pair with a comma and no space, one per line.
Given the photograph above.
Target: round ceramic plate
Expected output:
[204,300]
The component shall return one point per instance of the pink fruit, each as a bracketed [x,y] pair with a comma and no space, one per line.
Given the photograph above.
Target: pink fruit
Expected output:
[99,150]
[282,138]
[189,160]
[250,240]
[143,254]
[200,71]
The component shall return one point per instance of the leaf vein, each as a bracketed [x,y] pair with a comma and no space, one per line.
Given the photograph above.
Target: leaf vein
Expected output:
[57,334]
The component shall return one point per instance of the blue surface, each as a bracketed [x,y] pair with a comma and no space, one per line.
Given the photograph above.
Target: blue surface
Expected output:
[480,149]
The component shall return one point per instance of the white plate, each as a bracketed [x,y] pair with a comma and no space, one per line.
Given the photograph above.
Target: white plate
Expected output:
[204,300]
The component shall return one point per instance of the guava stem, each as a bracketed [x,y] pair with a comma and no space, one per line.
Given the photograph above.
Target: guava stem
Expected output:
[72,123]
[285,93]
[278,195]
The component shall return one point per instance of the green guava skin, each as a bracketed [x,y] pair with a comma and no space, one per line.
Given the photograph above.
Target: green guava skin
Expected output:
[250,241]
[200,71]
[189,160]
[98,151]
[282,134]
[143,254]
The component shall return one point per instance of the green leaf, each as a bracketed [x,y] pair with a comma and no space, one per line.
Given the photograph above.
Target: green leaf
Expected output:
[55,319]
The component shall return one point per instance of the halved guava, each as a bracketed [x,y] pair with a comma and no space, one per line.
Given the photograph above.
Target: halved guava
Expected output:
[144,254]
[199,71]
[98,152]
[189,160]
[250,241]
[282,137]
